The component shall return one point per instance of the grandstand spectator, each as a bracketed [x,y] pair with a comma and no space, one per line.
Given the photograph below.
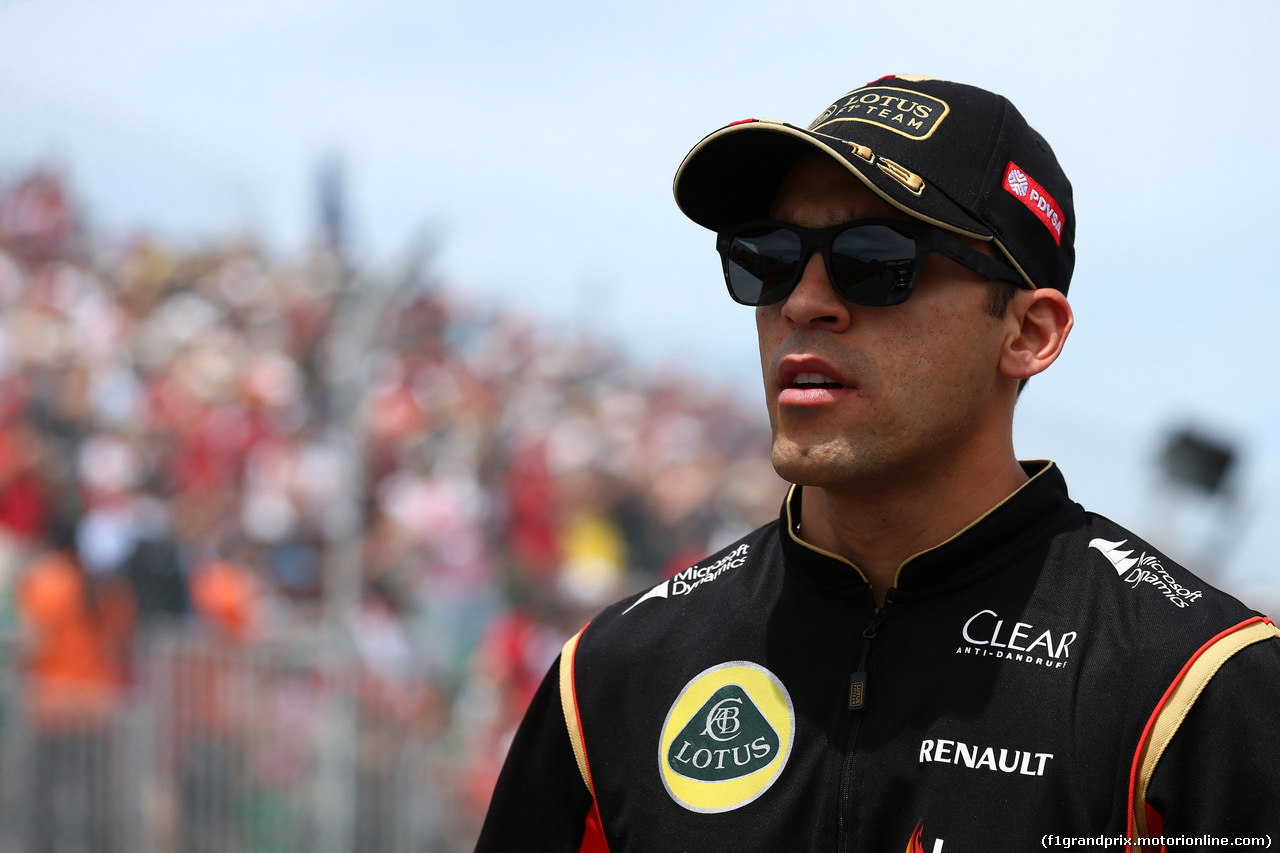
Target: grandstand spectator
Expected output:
[75,643]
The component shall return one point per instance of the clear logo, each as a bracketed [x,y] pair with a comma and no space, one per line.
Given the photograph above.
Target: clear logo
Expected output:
[987,634]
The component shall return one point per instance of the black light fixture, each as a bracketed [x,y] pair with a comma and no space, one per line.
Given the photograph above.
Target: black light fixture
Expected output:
[1197,461]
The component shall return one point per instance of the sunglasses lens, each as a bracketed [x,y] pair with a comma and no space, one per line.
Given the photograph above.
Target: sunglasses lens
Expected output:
[761,264]
[869,264]
[873,265]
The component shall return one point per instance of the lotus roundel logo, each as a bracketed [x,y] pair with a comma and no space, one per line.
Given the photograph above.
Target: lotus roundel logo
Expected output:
[1018,182]
[726,738]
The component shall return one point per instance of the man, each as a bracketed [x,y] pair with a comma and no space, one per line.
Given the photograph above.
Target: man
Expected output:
[933,648]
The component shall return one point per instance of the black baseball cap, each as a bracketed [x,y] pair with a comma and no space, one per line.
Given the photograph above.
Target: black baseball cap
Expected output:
[952,155]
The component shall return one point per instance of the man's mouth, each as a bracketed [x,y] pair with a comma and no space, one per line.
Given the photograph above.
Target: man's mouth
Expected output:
[811,384]
[813,380]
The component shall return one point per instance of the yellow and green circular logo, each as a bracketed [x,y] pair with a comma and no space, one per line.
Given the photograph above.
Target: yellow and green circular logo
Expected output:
[726,738]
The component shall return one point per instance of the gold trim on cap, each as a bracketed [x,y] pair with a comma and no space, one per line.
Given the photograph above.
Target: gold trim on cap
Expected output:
[862,151]
[902,175]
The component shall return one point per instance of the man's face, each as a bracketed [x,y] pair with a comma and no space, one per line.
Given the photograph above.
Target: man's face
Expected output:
[864,396]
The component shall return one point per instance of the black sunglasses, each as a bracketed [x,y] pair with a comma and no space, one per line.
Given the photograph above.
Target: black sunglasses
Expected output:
[869,262]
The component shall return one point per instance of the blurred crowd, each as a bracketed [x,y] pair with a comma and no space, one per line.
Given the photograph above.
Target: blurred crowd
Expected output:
[173,454]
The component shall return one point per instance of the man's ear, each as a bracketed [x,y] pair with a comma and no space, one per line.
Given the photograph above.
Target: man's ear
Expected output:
[1040,321]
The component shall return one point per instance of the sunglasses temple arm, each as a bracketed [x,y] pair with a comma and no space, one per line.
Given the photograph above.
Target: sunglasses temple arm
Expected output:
[983,264]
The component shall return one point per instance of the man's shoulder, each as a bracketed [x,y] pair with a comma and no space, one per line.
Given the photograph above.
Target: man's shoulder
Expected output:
[1147,596]
[1138,564]
[706,596]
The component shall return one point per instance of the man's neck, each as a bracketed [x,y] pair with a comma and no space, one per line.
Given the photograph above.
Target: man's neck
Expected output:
[879,527]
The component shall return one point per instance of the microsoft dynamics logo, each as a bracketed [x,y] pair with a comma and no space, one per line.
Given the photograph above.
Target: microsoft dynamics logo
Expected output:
[1146,568]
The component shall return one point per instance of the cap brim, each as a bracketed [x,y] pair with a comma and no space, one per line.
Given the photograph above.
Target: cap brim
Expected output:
[734,173]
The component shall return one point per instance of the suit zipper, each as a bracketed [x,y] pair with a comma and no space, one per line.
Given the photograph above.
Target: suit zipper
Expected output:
[858,680]
[857,702]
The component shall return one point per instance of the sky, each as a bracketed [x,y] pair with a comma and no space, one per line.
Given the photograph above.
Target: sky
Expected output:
[534,145]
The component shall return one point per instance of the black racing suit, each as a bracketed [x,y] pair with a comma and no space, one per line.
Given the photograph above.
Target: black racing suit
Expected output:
[1006,693]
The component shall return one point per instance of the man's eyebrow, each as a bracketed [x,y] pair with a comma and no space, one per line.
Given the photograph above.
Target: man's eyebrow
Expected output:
[833,219]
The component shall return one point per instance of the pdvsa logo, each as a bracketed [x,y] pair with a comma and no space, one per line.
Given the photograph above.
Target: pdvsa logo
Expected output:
[1017,181]
[726,738]
[1036,199]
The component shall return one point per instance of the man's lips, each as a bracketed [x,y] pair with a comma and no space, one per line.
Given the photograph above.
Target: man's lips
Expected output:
[806,381]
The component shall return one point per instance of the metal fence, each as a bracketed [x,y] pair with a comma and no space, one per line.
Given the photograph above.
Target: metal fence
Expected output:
[220,748]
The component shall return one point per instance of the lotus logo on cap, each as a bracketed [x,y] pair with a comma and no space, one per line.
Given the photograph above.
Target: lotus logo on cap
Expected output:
[906,112]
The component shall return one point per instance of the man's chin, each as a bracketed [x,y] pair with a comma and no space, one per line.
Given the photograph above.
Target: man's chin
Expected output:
[809,465]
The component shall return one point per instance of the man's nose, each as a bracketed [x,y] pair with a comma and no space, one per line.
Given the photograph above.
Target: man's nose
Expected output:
[814,300]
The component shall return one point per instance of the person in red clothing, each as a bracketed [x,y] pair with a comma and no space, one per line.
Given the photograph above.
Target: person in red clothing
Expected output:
[24,494]
[75,652]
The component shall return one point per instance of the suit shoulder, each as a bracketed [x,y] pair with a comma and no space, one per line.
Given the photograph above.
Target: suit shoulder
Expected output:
[1152,606]
[671,608]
